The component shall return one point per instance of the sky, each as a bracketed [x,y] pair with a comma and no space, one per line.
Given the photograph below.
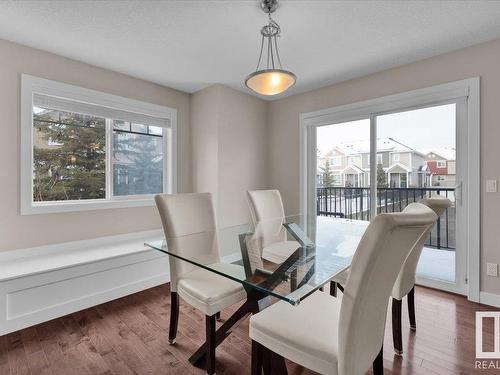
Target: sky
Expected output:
[426,128]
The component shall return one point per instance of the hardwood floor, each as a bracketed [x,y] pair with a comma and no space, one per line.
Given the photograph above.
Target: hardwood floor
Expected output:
[130,336]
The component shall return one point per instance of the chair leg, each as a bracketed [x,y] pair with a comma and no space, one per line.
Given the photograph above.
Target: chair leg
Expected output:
[210,332]
[396,326]
[174,317]
[411,309]
[217,316]
[333,288]
[256,358]
[378,363]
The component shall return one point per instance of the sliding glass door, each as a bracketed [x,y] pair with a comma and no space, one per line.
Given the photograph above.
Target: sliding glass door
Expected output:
[408,154]
[417,158]
[343,170]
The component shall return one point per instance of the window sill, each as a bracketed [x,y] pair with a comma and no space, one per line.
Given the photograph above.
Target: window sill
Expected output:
[91,205]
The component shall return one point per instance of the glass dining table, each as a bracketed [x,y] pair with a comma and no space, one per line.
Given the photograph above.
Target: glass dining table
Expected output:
[283,259]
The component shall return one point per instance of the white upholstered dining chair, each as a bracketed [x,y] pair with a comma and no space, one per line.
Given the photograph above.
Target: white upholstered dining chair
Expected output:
[268,216]
[344,335]
[190,230]
[405,283]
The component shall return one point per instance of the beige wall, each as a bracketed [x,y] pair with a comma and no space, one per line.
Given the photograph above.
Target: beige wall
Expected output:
[238,142]
[18,231]
[481,60]
[230,149]
[205,142]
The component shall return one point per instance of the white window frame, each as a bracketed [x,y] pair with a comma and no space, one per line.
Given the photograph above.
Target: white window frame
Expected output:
[440,163]
[467,91]
[395,158]
[380,159]
[31,85]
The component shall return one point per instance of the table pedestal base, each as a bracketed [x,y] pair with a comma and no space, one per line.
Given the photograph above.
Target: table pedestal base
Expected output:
[272,362]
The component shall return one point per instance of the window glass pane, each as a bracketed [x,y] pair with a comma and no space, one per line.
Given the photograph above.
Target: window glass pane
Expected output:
[343,170]
[137,164]
[425,140]
[121,125]
[155,130]
[68,156]
[138,128]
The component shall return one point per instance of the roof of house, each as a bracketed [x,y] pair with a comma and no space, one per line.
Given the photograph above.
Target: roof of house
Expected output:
[352,167]
[448,153]
[363,146]
[398,166]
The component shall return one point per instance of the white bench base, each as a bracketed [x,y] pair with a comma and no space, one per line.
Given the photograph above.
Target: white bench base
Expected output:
[44,283]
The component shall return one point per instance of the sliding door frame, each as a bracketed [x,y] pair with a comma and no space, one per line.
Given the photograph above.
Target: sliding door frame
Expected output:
[468,90]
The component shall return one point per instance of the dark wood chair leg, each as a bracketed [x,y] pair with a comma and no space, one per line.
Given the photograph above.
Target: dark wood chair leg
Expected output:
[256,358]
[174,317]
[217,316]
[396,326]
[210,332]
[378,363]
[411,309]
[333,288]
[272,363]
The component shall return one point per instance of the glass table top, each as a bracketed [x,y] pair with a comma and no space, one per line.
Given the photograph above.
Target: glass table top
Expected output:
[286,258]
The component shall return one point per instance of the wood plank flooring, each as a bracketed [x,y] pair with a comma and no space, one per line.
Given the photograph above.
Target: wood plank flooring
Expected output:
[129,336]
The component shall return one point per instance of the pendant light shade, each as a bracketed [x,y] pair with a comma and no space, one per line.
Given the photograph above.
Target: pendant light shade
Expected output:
[270,80]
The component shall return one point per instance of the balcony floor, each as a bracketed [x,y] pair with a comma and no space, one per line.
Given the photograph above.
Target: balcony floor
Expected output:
[437,264]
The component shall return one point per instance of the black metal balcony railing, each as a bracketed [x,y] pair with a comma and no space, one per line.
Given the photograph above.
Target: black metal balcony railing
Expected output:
[354,203]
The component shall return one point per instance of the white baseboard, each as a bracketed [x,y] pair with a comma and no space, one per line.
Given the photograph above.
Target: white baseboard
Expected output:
[489,299]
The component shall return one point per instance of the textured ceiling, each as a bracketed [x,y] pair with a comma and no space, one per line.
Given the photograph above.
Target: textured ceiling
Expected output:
[189,45]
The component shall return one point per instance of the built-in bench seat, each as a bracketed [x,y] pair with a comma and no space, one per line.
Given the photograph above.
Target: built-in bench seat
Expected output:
[42,283]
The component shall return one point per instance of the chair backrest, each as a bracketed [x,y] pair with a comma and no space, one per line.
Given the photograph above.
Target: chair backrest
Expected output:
[378,259]
[190,229]
[268,215]
[406,278]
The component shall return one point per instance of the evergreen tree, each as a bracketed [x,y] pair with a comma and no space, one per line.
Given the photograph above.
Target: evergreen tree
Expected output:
[327,174]
[69,162]
[139,157]
[381,176]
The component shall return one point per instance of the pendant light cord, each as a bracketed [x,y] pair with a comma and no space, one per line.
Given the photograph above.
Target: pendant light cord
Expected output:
[260,56]
[277,53]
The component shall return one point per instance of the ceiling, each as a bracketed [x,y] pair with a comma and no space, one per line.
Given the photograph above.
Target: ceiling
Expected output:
[189,45]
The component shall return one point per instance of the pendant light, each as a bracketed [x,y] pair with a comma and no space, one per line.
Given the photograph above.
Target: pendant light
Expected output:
[272,79]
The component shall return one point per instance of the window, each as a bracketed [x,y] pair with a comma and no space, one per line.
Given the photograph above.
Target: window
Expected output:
[395,158]
[87,150]
[69,156]
[337,161]
[441,164]
[137,159]
[337,180]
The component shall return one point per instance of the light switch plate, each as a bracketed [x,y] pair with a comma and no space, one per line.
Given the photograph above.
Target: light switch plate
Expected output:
[491,186]
[492,269]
